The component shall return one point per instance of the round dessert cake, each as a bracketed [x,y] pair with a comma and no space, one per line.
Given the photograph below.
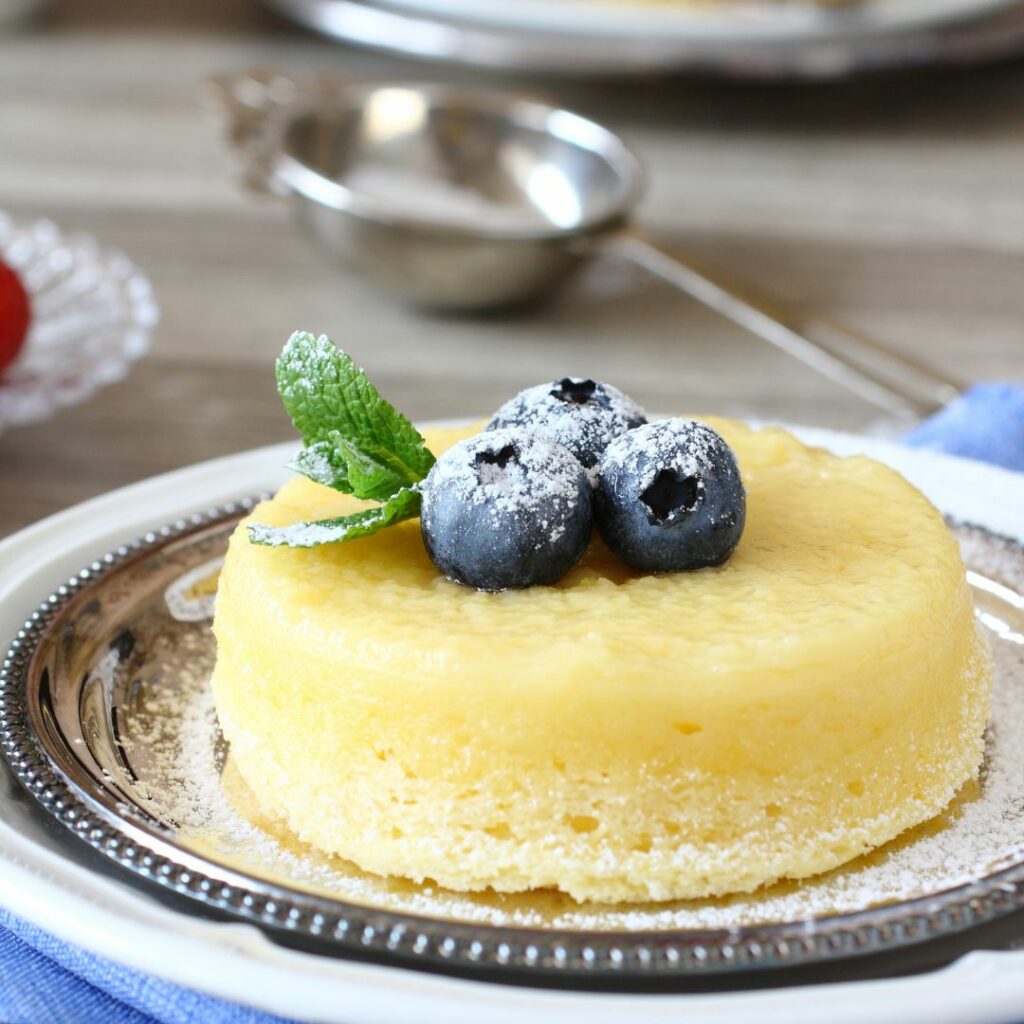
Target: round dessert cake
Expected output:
[617,736]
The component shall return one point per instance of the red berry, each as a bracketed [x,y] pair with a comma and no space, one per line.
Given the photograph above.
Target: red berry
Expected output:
[14,315]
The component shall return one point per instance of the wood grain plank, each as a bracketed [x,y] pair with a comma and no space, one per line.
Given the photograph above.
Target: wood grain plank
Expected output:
[894,204]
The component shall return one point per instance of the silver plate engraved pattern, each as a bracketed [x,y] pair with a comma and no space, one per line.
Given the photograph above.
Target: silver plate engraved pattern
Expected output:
[86,712]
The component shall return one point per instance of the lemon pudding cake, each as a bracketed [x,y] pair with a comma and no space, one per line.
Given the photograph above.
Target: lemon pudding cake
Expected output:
[625,729]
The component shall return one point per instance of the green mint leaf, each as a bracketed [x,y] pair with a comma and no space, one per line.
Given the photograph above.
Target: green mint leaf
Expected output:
[323,463]
[403,505]
[355,442]
[343,466]
[368,475]
[328,396]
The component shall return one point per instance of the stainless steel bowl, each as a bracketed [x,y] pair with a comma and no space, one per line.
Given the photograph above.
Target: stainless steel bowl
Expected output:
[468,199]
[450,197]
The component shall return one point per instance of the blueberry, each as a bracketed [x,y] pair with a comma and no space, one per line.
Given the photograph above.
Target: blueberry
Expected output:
[505,510]
[669,497]
[583,415]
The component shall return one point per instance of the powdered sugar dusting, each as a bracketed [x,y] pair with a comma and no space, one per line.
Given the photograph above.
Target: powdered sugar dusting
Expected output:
[514,475]
[687,447]
[535,476]
[585,428]
[185,780]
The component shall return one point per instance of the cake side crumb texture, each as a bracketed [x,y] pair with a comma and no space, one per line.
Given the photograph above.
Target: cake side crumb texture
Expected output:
[617,736]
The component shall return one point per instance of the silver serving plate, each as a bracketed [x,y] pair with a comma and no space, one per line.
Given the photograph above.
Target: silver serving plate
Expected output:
[768,40]
[99,696]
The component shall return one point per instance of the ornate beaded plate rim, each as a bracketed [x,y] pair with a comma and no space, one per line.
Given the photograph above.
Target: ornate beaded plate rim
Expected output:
[336,926]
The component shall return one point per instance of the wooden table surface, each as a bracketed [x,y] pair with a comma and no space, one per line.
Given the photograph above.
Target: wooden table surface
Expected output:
[894,204]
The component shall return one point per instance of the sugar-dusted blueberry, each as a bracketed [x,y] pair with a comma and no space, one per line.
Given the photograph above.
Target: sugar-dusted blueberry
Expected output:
[669,497]
[581,414]
[504,510]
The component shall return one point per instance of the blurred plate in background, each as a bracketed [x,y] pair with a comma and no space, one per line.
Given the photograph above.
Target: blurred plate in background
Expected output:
[604,38]
[724,20]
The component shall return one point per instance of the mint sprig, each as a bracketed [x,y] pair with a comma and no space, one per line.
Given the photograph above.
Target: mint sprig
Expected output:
[403,505]
[328,396]
[323,463]
[354,442]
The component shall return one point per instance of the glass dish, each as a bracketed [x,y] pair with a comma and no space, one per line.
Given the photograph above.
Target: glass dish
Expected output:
[93,313]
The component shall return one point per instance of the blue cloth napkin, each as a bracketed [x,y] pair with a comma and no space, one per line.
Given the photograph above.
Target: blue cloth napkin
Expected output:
[985,423]
[46,981]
